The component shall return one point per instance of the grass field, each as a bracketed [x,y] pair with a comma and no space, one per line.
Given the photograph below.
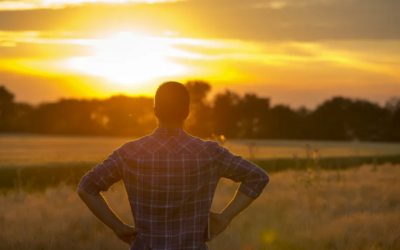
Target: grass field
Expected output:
[317,209]
[34,150]
[37,162]
[318,197]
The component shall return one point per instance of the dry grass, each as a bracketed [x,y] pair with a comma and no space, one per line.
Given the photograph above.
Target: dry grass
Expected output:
[352,209]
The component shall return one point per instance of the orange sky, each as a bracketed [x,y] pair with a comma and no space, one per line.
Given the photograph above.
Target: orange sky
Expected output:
[298,52]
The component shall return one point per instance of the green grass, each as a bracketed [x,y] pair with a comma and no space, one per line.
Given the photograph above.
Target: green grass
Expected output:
[34,162]
[41,177]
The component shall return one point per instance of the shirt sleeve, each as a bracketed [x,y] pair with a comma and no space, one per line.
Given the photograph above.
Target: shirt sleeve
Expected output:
[253,179]
[104,175]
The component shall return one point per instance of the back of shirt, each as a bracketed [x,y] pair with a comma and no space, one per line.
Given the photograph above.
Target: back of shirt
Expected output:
[170,178]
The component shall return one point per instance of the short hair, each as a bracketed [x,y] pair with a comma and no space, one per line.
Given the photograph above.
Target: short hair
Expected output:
[172,101]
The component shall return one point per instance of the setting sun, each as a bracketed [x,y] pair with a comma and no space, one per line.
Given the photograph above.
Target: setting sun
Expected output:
[129,59]
[295,52]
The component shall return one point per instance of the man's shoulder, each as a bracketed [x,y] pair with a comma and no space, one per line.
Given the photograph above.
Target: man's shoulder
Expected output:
[205,146]
[192,144]
[133,146]
[199,141]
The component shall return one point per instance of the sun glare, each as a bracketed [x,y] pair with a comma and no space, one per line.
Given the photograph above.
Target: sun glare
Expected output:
[129,59]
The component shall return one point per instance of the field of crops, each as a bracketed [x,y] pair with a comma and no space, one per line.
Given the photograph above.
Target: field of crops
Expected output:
[33,150]
[322,195]
[299,210]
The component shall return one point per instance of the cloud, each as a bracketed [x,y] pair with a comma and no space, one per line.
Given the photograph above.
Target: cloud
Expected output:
[221,19]
[57,4]
[325,46]
[48,51]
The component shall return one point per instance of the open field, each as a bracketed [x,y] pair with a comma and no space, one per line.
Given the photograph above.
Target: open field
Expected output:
[35,150]
[36,162]
[316,209]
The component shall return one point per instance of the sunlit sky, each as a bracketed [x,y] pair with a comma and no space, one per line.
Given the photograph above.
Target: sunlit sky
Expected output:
[297,52]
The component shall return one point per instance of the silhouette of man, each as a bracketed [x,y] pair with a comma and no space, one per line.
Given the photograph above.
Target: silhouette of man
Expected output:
[170,178]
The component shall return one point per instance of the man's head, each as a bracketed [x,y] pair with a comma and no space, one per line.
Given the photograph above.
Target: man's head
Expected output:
[172,103]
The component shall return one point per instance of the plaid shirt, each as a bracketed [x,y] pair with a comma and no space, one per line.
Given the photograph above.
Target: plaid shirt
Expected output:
[170,178]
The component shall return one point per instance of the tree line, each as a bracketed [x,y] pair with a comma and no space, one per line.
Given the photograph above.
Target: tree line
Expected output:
[229,114]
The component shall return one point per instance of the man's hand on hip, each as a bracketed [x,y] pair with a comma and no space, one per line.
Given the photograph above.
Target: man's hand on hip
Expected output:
[218,223]
[126,233]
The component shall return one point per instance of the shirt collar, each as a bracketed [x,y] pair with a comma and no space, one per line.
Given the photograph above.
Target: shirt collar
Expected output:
[169,131]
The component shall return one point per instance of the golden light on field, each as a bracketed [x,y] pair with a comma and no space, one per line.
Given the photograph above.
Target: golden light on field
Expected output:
[357,211]
[268,237]
[129,59]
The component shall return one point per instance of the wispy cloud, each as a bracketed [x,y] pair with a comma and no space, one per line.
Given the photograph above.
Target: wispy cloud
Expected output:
[233,19]
[312,43]
[121,51]
[55,4]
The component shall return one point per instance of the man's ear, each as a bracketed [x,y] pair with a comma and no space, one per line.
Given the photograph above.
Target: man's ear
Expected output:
[186,114]
[156,112]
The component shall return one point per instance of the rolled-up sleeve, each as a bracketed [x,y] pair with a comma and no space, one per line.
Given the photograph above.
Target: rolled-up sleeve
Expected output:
[104,175]
[253,179]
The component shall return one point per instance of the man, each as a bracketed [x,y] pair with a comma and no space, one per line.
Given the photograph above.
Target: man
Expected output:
[170,178]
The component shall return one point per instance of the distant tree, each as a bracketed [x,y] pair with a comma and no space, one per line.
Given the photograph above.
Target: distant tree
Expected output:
[344,119]
[70,116]
[132,116]
[253,112]
[392,131]
[23,117]
[367,120]
[199,122]
[225,114]
[7,110]
[284,123]
[393,104]
[198,90]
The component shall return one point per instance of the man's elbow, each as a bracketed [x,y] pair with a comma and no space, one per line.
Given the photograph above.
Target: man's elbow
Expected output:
[264,178]
[82,192]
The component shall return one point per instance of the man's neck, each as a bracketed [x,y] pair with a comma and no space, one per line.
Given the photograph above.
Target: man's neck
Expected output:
[170,125]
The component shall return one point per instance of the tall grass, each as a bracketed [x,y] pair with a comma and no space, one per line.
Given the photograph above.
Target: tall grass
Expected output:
[300,209]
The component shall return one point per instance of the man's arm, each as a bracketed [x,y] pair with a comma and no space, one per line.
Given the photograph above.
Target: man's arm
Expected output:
[220,221]
[99,179]
[239,203]
[253,180]
[100,208]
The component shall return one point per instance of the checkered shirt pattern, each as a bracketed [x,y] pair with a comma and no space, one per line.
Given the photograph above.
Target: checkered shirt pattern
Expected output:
[170,178]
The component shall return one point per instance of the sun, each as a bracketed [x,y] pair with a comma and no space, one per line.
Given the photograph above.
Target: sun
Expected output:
[129,59]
